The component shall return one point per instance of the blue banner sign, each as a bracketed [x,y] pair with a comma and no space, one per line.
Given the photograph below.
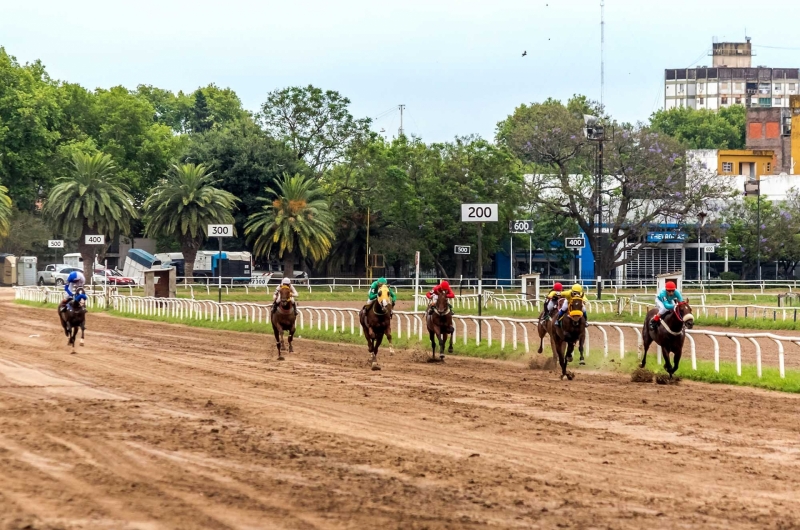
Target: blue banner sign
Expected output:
[666,237]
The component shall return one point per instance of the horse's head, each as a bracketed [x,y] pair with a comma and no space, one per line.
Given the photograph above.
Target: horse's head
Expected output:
[576,309]
[384,297]
[441,299]
[79,302]
[285,294]
[683,311]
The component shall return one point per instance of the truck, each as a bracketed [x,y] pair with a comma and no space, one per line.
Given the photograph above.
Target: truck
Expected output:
[55,274]
[236,266]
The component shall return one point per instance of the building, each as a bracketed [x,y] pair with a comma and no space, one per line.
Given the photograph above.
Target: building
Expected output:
[751,163]
[778,130]
[731,80]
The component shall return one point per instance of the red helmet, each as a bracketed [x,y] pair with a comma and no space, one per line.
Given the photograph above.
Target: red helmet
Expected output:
[444,284]
[671,286]
[558,287]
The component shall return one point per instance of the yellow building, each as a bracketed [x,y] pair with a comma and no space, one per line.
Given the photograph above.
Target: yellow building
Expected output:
[794,108]
[749,162]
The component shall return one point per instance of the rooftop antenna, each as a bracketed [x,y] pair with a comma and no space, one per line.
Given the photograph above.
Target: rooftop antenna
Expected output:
[400,131]
[602,51]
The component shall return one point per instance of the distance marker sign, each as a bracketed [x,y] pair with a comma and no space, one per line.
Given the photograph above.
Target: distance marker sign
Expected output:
[55,243]
[96,239]
[462,249]
[575,242]
[478,213]
[220,230]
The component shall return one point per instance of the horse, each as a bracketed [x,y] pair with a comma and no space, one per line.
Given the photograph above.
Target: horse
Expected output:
[564,337]
[283,319]
[73,318]
[670,334]
[542,324]
[377,322]
[440,325]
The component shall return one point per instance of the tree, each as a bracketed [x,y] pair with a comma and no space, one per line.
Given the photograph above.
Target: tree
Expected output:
[5,212]
[27,236]
[316,125]
[245,160]
[647,179]
[184,204]
[91,200]
[200,116]
[703,128]
[296,220]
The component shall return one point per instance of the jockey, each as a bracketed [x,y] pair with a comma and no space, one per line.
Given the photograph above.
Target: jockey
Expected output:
[432,295]
[277,295]
[576,293]
[373,292]
[550,301]
[75,281]
[666,301]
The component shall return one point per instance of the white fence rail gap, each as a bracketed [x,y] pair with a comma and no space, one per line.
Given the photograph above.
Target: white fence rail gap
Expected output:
[514,333]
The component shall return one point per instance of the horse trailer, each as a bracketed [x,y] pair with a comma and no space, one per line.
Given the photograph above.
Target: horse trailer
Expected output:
[137,262]
[8,269]
[26,270]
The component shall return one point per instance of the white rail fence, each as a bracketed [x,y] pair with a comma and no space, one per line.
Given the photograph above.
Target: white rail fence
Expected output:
[410,324]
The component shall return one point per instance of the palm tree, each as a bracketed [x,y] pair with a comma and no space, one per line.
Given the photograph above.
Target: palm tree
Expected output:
[5,212]
[297,221]
[184,204]
[91,200]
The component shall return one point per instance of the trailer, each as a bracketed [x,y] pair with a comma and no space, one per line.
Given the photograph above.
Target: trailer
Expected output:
[137,262]
[236,266]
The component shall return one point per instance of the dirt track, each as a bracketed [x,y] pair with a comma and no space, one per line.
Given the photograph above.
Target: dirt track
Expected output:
[157,426]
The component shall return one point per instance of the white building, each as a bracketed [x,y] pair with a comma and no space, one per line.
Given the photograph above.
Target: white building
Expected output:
[731,80]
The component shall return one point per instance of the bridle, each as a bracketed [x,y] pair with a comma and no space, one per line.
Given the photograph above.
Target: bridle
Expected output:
[441,294]
[680,318]
[379,302]
[285,304]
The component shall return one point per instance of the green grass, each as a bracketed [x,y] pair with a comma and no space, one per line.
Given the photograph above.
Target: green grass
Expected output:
[770,379]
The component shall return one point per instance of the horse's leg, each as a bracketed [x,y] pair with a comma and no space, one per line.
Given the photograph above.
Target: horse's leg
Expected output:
[83,329]
[378,340]
[562,359]
[433,334]
[450,348]
[676,359]
[542,331]
[73,334]
[580,346]
[291,336]
[278,330]
[647,341]
[63,323]
[667,363]
[367,335]
[570,349]
[442,341]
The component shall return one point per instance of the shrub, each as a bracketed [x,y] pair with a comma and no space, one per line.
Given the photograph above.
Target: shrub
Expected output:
[728,276]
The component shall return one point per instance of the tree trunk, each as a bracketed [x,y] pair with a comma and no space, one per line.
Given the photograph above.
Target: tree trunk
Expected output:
[288,264]
[87,253]
[189,248]
[459,266]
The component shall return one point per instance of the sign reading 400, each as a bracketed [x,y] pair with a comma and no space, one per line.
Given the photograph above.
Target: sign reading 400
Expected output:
[478,213]
[98,239]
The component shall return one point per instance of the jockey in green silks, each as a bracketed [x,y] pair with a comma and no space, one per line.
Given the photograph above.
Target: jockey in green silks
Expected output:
[373,292]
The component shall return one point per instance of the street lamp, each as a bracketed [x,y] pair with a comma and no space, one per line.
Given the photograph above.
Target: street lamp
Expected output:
[753,187]
[595,132]
[702,218]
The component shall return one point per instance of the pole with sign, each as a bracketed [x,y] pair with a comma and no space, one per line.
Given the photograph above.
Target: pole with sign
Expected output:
[416,279]
[220,231]
[94,240]
[55,244]
[479,213]
[521,227]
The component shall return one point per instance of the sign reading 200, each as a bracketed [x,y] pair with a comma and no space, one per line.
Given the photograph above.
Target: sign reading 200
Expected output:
[478,213]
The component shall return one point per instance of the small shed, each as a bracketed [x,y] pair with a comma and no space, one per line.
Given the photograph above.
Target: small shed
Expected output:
[160,283]
[662,279]
[26,270]
[8,269]
[530,286]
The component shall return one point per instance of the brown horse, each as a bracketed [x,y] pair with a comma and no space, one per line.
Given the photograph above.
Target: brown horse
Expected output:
[564,337]
[377,322]
[669,334]
[283,319]
[543,324]
[440,325]
[73,318]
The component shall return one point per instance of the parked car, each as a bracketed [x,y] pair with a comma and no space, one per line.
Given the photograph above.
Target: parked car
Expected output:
[55,274]
[112,277]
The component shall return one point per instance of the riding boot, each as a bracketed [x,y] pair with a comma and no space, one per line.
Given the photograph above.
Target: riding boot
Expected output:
[558,318]
[450,308]
[654,323]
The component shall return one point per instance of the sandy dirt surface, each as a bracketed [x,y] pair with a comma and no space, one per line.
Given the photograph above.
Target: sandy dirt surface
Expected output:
[160,426]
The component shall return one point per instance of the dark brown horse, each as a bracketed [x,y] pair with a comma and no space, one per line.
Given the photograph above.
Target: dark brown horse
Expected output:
[440,325]
[543,324]
[670,334]
[376,321]
[564,337]
[73,317]
[283,319]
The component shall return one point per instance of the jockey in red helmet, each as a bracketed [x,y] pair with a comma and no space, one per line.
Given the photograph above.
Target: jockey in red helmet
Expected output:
[666,301]
[444,285]
[552,300]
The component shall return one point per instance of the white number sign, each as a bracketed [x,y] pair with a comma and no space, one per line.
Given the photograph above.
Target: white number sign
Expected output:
[478,213]
[575,242]
[520,227]
[462,249]
[96,240]
[220,230]
[709,249]
[55,243]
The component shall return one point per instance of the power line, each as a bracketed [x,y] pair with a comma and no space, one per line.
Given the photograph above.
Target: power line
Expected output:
[775,47]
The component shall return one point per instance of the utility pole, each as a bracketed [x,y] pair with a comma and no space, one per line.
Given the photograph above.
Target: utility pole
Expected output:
[366,258]
[602,52]
[401,132]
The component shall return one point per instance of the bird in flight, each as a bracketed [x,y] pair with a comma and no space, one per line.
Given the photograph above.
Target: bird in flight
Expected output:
[524,53]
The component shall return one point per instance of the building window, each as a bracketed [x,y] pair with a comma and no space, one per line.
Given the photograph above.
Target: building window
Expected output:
[738,101]
[724,87]
[680,88]
[738,86]
[727,167]
[724,100]
[769,167]
[777,87]
[791,86]
[764,102]
[700,100]
[778,101]
[700,87]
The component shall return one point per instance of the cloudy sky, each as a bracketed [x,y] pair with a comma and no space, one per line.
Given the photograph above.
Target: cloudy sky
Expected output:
[455,64]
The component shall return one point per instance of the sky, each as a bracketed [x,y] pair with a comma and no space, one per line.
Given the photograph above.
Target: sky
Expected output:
[457,65]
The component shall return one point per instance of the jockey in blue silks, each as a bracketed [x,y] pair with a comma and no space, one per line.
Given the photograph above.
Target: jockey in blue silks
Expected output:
[76,280]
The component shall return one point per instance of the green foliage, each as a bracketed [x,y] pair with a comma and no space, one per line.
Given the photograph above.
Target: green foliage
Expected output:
[28,234]
[729,276]
[703,128]
[92,197]
[183,204]
[315,124]
[5,212]
[296,220]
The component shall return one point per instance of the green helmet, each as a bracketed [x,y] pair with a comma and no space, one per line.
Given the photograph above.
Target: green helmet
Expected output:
[382,280]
